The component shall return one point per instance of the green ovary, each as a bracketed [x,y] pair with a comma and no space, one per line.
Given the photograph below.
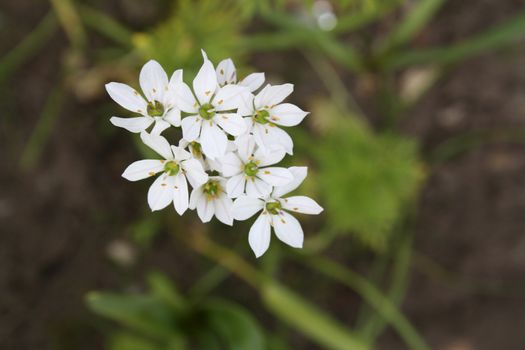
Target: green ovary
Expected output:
[171,168]
[273,207]
[261,116]
[251,169]
[212,189]
[206,111]
[155,109]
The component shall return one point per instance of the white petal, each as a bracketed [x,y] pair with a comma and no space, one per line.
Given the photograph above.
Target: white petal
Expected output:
[205,208]
[176,78]
[160,126]
[299,174]
[223,209]
[173,117]
[191,128]
[287,114]
[230,164]
[273,155]
[205,82]
[281,138]
[275,176]
[253,81]
[226,72]
[137,124]
[180,193]
[157,143]
[229,97]
[245,147]
[195,197]
[194,172]
[244,207]
[160,193]
[235,186]
[257,188]
[142,169]
[267,136]
[213,140]
[232,123]
[271,95]
[184,99]
[301,204]
[245,107]
[179,153]
[153,81]
[288,229]
[127,97]
[259,235]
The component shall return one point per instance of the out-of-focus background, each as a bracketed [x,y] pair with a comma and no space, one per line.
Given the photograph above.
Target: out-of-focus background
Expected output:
[415,146]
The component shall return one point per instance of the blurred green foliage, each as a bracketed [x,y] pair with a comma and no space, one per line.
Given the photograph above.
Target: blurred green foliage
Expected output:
[163,319]
[194,25]
[367,177]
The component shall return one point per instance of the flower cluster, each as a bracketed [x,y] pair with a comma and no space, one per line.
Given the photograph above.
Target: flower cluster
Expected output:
[232,137]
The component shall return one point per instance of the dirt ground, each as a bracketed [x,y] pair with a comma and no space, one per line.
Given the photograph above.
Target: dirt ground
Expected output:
[467,289]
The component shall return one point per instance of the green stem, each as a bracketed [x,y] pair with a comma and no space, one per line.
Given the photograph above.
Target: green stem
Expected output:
[42,130]
[106,25]
[28,47]
[382,305]
[70,21]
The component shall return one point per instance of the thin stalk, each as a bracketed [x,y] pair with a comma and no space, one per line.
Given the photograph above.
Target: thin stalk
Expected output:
[70,21]
[281,301]
[28,47]
[382,305]
[105,25]
[42,130]
[330,78]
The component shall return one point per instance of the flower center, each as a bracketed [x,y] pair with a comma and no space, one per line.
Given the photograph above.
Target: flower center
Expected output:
[273,207]
[261,116]
[212,189]
[171,168]
[196,149]
[251,169]
[206,111]
[155,109]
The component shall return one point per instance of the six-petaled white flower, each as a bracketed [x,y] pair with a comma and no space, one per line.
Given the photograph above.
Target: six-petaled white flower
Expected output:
[175,167]
[213,111]
[159,105]
[267,114]
[275,214]
[231,139]
[249,171]
[211,199]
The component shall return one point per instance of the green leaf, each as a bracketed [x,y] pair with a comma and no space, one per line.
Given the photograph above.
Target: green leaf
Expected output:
[164,289]
[496,37]
[127,341]
[308,319]
[413,23]
[366,179]
[234,325]
[143,313]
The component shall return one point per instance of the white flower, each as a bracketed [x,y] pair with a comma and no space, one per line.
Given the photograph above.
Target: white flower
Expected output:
[249,171]
[275,214]
[211,199]
[176,167]
[159,105]
[226,74]
[213,112]
[267,113]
